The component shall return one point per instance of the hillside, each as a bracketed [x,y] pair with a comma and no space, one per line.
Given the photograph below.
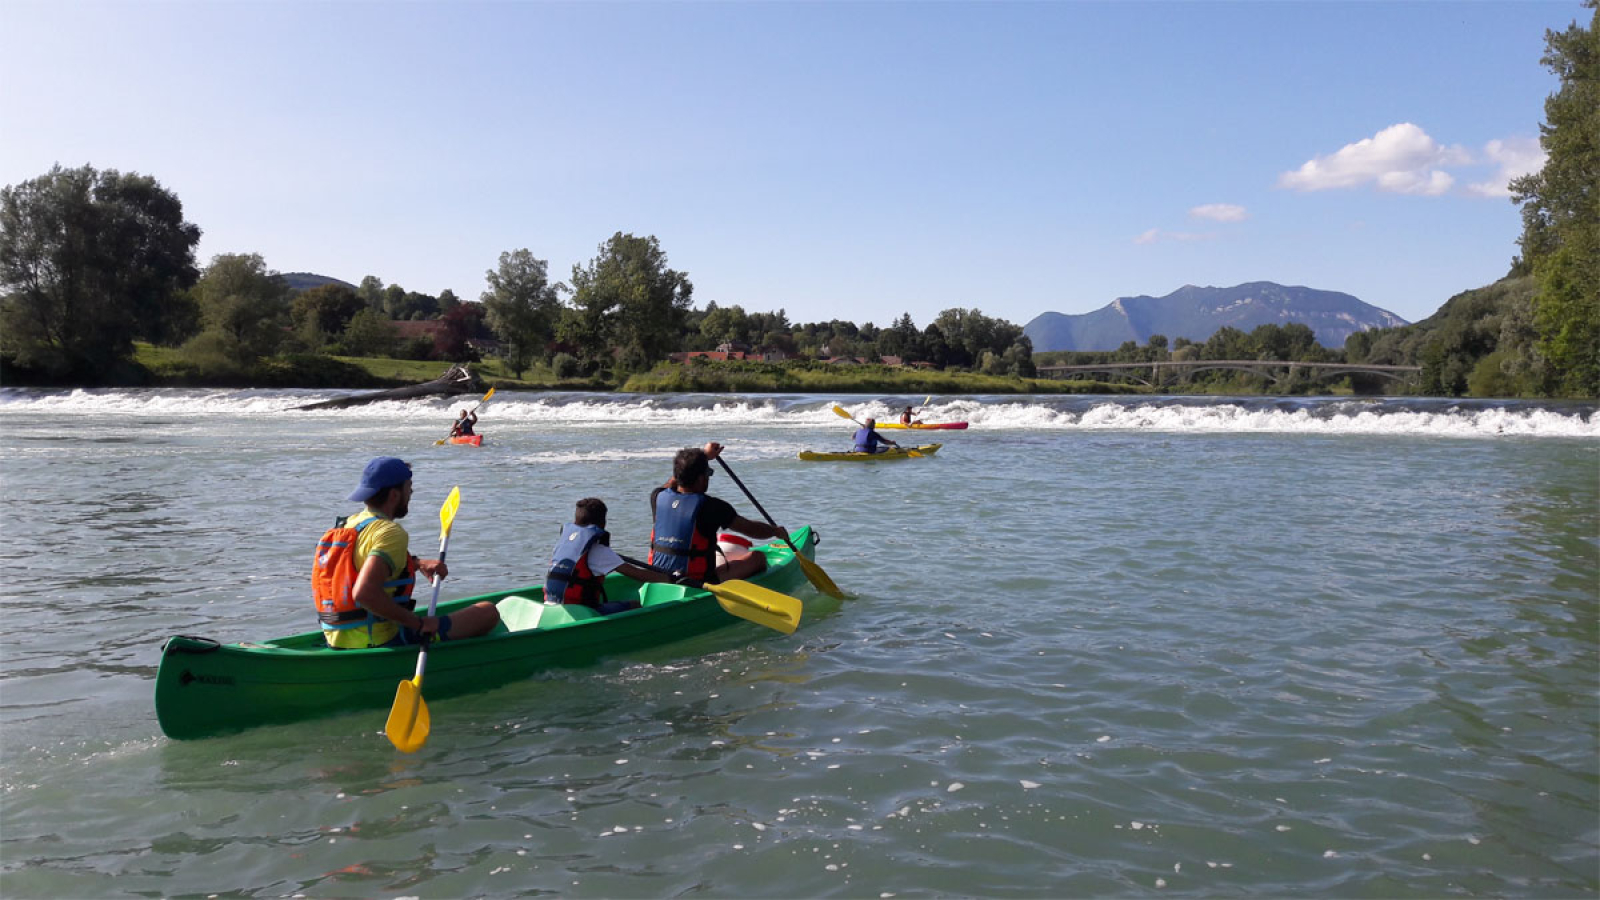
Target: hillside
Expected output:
[305,281]
[1197,312]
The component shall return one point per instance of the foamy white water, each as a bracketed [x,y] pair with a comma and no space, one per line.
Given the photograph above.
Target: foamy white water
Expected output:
[1176,415]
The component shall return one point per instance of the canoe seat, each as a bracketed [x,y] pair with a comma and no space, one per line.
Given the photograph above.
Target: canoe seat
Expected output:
[656,592]
[519,613]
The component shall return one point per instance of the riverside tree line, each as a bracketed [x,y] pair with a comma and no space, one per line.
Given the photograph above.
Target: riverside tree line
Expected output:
[92,261]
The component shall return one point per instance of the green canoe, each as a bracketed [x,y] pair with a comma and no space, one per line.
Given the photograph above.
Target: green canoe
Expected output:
[205,688]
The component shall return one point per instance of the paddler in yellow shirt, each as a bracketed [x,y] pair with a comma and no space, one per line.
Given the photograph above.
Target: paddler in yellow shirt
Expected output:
[364,574]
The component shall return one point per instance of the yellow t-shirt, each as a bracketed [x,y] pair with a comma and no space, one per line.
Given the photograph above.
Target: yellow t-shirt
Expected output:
[389,542]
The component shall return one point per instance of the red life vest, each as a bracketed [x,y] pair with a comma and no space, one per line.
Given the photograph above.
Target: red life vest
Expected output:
[333,579]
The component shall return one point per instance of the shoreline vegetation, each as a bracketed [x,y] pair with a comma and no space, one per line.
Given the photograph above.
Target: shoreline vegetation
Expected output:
[99,286]
[166,367]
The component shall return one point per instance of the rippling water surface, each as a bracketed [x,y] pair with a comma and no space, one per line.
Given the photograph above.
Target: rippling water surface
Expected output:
[1096,646]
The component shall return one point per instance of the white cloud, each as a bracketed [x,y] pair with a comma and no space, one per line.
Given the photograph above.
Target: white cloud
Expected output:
[1219,212]
[1401,159]
[1155,235]
[1516,157]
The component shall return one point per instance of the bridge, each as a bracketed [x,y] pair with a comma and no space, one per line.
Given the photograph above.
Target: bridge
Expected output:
[1276,371]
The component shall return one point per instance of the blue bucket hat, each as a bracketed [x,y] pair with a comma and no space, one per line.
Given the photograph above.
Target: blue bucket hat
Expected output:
[385,471]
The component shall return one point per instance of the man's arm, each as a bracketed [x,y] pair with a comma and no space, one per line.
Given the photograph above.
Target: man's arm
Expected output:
[756,529]
[644,573]
[369,593]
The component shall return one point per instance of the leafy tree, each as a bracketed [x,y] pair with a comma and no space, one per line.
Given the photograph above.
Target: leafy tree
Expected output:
[461,325]
[1561,213]
[243,306]
[628,299]
[447,301]
[89,261]
[371,291]
[522,307]
[727,323]
[369,333]
[323,312]
[394,302]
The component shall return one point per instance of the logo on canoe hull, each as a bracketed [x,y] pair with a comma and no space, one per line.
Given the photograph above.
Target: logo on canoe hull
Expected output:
[188,678]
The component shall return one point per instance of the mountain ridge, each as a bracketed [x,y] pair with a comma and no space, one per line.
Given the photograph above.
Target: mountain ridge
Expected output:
[1196,313]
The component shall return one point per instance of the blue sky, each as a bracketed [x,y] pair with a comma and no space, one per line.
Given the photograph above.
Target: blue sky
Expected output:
[837,160]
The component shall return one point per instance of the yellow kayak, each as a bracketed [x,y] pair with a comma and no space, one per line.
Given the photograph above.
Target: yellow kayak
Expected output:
[852,456]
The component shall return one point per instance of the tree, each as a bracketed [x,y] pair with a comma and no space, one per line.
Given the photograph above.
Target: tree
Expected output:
[369,333]
[461,325]
[522,307]
[1561,213]
[89,261]
[323,312]
[243,306]
[371,291]
[627,299]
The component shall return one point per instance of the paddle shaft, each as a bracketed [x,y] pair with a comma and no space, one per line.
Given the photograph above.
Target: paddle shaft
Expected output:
[433,605]
[758,506]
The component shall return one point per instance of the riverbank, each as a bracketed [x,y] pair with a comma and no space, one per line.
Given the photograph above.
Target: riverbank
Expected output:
[165,367]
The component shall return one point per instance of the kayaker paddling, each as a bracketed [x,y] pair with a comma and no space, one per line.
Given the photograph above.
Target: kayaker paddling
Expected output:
[582,559]
[868,439]
[685,522]
[905,418]
[363,575]
[464,423]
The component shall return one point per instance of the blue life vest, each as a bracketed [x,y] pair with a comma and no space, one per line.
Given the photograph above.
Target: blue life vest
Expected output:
[676,545]
[570,579]
[866,441]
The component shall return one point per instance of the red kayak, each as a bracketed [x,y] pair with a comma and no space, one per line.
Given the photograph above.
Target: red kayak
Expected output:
[475,440]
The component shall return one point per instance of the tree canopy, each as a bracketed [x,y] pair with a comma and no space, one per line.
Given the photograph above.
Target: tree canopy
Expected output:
[90,261]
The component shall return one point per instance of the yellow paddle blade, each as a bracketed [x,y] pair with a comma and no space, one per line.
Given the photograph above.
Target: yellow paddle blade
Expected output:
[447,512]
[818,578]
[839,411]
[757,604]
[486,397]
[440,442]
[408,723]
[926,400]
[913,454]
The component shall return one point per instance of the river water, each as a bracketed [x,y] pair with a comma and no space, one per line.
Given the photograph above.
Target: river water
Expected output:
[1096,646]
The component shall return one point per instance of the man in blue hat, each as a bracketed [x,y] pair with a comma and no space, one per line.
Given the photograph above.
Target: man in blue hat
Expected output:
[364,573]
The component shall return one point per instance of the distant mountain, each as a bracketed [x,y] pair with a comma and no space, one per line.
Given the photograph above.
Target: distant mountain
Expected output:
[1197,312]
[305,281]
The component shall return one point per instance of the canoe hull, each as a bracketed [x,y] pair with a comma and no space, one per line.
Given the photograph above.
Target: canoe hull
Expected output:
[851,456]
[204,688]
[925,426]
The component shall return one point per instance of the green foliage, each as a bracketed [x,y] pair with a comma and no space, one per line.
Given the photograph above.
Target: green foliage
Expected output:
[565,365]
[243,307]
[811,376]
[322,313]
[369,333]
[1561,215]
[89,261]
[522,307]
[627,298]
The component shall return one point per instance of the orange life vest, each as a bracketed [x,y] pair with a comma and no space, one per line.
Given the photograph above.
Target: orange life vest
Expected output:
[333,579]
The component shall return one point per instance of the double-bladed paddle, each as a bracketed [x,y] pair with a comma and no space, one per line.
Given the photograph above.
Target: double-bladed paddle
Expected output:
[444,440]
[408,723]
[840,411]
[814,574]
